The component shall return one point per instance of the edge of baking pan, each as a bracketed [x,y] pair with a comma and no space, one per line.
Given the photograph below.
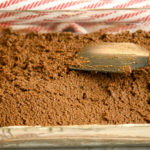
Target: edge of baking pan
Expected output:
[75,136]
[72,10]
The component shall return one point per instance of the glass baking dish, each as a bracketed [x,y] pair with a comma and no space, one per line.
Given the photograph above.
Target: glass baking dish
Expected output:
[79,22]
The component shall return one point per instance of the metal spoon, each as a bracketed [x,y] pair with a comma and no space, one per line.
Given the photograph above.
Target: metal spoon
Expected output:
[112,57]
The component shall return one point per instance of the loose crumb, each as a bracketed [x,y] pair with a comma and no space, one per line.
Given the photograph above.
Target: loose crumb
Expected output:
[38,88]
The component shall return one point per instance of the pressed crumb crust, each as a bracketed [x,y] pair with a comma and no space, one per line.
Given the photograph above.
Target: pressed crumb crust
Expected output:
[38,88]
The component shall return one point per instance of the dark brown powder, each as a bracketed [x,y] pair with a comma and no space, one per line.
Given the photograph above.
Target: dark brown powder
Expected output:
[37,87]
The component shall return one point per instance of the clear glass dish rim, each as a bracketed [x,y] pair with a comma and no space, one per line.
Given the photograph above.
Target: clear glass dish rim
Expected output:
[75,10]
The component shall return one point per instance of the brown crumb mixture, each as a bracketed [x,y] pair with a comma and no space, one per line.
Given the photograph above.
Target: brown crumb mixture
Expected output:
[37,87]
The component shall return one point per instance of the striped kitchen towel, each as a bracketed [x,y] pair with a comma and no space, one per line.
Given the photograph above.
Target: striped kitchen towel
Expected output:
[74,20]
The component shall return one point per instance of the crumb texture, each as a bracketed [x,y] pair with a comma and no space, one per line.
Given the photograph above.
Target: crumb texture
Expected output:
[38,88]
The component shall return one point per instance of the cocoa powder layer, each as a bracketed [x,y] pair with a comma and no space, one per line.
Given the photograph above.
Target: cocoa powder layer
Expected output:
[38,88]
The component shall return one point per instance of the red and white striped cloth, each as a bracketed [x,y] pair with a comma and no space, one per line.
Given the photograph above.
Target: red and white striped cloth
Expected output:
[78,21]
[70,4]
